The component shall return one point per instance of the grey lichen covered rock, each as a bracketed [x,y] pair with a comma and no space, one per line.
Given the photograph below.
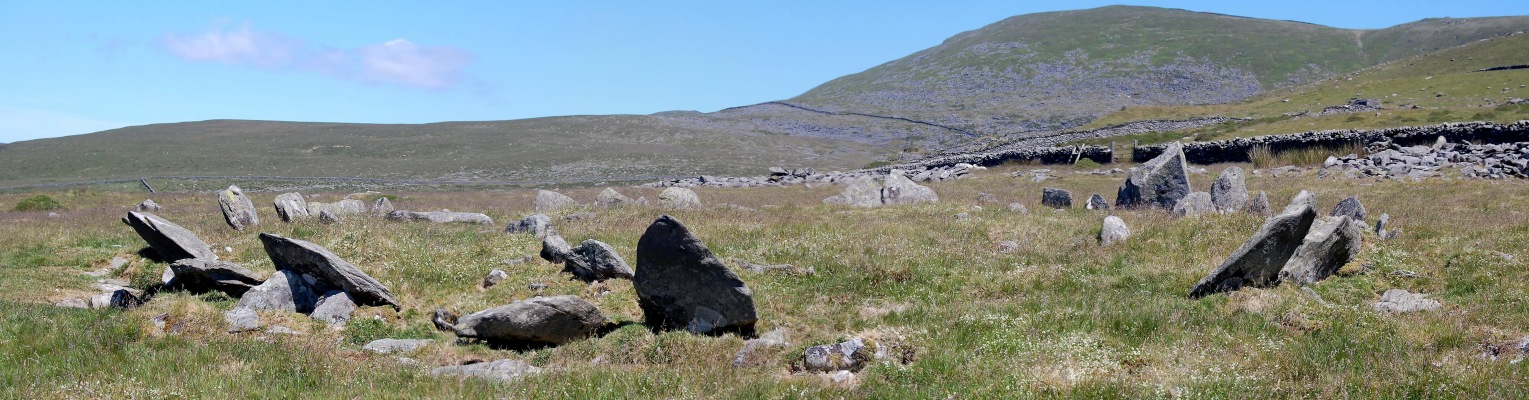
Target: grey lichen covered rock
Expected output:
[611,198]
[238,210]
[852,355]
[1097,202]
[493,278]
[148,205]
[1197,203]
[1056,198]
[1259,205]
[382,206]
[441,217]
[536,224]
[200,275]
[308,258]
[678,198]
[681,285]
[241,319]
[898,189]
[334,308]
[1018,208]
[1230,192]
[1397,301]
[547,200]
[389,346]
[554,320]
[1113,230]
[501,370]
[291,206]
[170,241]
[1160,182]
[338,208]
[284,291]
[556,250]
[1331,243]
[594,260]
[1259,260]
[858,192]
[1349,207]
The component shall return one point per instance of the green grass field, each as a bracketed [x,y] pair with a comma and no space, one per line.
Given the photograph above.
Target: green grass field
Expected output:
[1059,317]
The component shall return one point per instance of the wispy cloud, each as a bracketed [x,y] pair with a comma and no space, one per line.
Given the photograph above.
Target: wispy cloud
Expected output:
[398,61]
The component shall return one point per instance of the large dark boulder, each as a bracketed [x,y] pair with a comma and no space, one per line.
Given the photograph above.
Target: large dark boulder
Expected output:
[554,320]
[1160,182]
[308,258]
[170,241]
[1331,243]
[200,275]
[1258,262]
[681,285]
[1056,198]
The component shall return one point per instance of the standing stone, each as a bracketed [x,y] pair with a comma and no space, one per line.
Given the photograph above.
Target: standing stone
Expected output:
[308,258]
[382,206]
[200,275]
[1113,231]
[238,211]
[291,206]
[594,260]
[1331,243]
[334,308]
[681,285]
[898,189]
[148,205]
[1229,193]
[1160,182]
[1381,226]
[1196,203]
[611,198]
[547,200]
[1259,205]
[285,291]
[554,320]
[536,224]
[1349,207]
[1056,198]
[1262,256]
[858,192]
[170,241]
[1096,202]
[678,198]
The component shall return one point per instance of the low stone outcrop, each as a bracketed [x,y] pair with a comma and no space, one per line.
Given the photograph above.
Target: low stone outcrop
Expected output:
[678,198]
[1113,230]
[553,320]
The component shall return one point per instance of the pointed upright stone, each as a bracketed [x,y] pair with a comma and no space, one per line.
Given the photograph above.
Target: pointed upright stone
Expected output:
[1258,262]
[1230,191]
[1159,183]
[308,258]
[1259,205]
[1331,243]
[1097,202]
[238,211]
[681,285]
[1349,207]
[170,241]
[382,206]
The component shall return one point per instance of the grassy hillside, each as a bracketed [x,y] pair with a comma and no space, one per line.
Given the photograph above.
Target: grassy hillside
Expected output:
[1438,87]
[1063,69]
[560,149]
[1058,317]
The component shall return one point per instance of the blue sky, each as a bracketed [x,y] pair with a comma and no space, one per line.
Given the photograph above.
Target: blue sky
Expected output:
[79,67]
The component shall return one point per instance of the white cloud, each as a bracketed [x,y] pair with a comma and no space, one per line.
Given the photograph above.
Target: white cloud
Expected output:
[18,123]
[397,61]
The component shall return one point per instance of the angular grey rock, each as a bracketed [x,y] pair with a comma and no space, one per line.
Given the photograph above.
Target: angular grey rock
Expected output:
[1056,198]
[1113,230]
[200,275]
[308,258]
[611,198]
[1160,182]
[681,285]
[858,192]
[897,189]
[502,370]
[1096,202]
[284,291]
[1196,203]
[382,206]
[334,308]
[556,250]
[441,217]
[852,355]
[1230,191]
[241,319]
[594,260]
[1258,261]
[1259,205]
[1349,207]
[1018,208]
[554,320]
[494,277]
[537,224]
[238,211]
[291,206]
[390,346]
[148,205]
[326,217]
[678,198]
[547,200]
[170,241]
[1397,301]
[1331,243]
